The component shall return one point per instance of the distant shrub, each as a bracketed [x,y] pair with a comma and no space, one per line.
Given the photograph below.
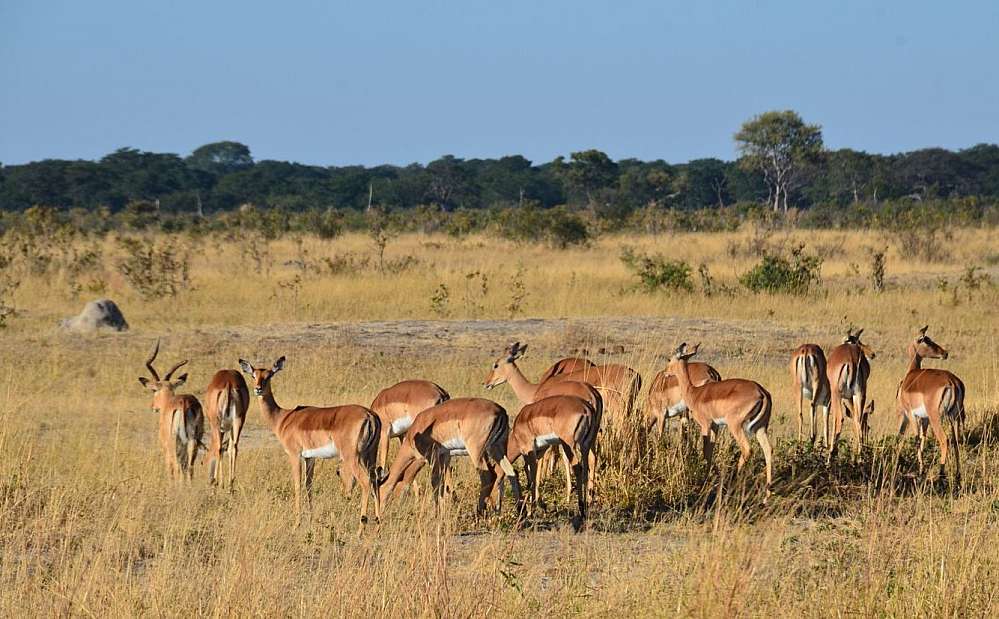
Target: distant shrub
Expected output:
[794,274]
[557,227]
[154,270]
[656,272]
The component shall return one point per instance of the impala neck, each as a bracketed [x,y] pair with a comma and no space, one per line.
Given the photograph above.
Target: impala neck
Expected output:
[683,381]
[915,359]
[269,408]
[522,388]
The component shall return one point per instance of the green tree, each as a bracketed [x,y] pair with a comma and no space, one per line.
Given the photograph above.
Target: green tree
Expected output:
[588,171]
[221,157]
[779,144]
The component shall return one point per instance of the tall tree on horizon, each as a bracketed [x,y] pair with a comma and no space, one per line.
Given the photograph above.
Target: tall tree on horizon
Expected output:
[779,144]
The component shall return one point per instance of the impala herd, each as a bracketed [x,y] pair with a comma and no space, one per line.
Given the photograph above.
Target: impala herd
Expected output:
[566,412]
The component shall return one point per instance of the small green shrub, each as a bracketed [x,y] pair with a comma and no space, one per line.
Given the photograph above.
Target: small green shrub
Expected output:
[154,270]
[794,274]
[656,272]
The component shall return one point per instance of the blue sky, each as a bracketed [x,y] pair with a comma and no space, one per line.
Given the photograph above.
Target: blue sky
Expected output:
[336,83]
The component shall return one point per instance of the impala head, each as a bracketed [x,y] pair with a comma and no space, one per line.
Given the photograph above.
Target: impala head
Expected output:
[854,338]
[680,356]
[927,348]
[503,365]
[260,378]
[162,388]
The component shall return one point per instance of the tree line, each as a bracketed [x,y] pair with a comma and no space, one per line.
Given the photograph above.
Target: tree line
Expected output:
[782,164]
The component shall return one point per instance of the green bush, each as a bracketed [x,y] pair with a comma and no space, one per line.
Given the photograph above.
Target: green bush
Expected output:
[657,272]
[794,274]
[557,226]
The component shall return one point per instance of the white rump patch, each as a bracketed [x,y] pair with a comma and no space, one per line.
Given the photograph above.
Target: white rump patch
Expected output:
[677,409]
[324,452]
[920,412]
[400,425]
[455,446]
[545,440]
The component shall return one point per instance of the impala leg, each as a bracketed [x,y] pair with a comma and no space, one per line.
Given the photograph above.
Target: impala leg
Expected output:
[364,476]
[438,469]
[903,422]
[488,479]
[237,429]
[310,467]
[860,421]
[801,415]
[581,470]
[567,465]
[707,446]
[955,434]
[739,434]
[383,446]
[941,436]
[768,455]
[837,428]
[921,429]
[192,453]
[531,468]
[214,457]
[296,481]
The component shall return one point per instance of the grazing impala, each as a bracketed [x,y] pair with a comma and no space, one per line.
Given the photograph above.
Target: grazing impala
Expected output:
[181,420]
[665,401]
[741,405]
[397,406]
[505,370]
[847,370]
[618,385]
[927,396]
[567,423]
[568,365]
[471,427]
[808,368]
[226,402]
[349,433]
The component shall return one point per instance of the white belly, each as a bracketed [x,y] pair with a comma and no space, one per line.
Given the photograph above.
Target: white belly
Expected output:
[324,452]
[400,425]
[454,447]
[677,409]
[546,439]
[720,421]
[806,392]
[920,412]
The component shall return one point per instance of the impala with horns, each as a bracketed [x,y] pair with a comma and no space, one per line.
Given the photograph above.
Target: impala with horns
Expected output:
[397,406]
[618,385]
[566,423]
[808,369]
[181,421]
[665,401]
[505,370]
[847,371]
[472,427]
[928,396]
[349,433]
[226,402]
[743,406]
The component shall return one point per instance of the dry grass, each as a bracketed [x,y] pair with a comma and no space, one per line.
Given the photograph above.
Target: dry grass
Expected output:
[90,526]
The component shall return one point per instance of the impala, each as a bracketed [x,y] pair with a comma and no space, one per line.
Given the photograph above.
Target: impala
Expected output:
[741,405]
[566,423]
[665,402]
[505,370]
[306,433]
[226,402]
[927,396]
[397,406]
[808,368]
[847,370]
[618,385]
[472,427]
[181,421]
[566,365]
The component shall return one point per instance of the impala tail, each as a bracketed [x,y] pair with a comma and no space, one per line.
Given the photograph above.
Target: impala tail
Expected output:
[759,416]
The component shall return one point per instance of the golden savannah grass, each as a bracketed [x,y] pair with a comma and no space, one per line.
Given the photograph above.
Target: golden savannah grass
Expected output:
[90,524]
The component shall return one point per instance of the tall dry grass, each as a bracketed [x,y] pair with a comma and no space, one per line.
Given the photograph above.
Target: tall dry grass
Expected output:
[89,524]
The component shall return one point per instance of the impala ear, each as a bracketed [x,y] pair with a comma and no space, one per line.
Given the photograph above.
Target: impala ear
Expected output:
[246,367]
[696,348]
[145,383]
[278,365]
[857,334]
[180,380]
[922,332]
